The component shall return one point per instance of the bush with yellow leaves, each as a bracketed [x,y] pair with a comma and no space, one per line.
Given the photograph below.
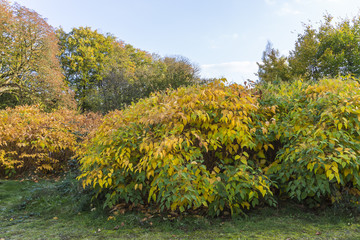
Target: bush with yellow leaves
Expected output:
[318,126]
[185,149]
[36,142]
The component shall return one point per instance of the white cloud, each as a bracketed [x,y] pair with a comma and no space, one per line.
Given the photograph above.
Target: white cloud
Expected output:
[237,71]
[287,9]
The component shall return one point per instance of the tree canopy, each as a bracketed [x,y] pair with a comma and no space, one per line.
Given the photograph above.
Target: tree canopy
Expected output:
[29,69]
[273,67]
[107,74]
[84,53]
[331,50]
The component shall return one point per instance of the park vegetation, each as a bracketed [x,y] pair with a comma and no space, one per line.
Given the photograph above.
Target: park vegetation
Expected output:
[142,129]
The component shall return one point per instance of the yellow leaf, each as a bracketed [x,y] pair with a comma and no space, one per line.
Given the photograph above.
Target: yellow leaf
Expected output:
[243,160]
[149,173]
[262,190]
[251,195]
[273,109]
[347,171]
[101,183]
[330,175]
[266,147]
[264,130]
[245,204]
[261,154]
[216,169]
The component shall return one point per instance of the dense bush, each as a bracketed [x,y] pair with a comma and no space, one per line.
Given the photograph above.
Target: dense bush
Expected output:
[36,142]
[228,147]
[318,128]
[189,148]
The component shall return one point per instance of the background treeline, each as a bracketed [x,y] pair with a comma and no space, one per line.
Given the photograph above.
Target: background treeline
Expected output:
[107,74]
[41,65]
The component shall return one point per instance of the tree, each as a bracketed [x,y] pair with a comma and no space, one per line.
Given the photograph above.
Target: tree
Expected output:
[302,59]
[84,55]
[339,48]
[132,74]
[273,67]
[331,50]
[107,74]
[126,78]
[180,72]
[29,69]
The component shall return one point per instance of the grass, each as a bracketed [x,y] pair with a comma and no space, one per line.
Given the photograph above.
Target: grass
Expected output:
[51,209]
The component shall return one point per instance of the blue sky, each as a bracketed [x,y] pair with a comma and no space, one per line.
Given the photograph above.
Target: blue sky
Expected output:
[225,37]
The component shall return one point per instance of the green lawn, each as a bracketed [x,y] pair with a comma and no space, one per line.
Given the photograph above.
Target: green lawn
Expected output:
[51,209]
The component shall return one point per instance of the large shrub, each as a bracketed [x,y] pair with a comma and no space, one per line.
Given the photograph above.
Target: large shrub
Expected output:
[189,148]
[318,130]
[36,142]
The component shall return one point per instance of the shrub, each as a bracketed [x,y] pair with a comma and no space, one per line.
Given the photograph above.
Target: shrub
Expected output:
[36,142]
[318,126]
[189,148]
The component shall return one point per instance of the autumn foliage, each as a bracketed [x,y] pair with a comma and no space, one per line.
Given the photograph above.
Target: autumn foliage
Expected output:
[221,147]
[36,142]
[318,129]
[185,149]
[30,72]
[214,147]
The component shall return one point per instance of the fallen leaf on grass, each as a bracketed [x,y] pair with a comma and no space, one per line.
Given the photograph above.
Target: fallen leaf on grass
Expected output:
[55,218]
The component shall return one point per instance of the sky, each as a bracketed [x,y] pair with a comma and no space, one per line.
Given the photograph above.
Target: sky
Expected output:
[225,38]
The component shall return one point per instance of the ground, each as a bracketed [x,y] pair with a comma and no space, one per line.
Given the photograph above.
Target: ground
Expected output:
[49,209]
